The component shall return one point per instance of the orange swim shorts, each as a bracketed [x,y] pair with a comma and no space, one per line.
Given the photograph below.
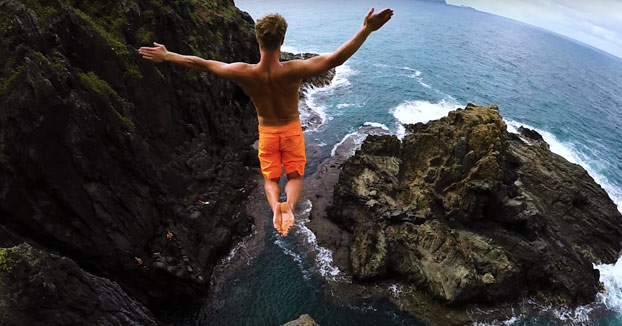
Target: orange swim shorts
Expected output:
[281,147]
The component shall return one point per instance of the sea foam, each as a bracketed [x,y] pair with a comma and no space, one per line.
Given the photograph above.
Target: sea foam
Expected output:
[313,94]
[334,150]
[411,112]
[376,125]
[358,137]
[611,277]
[324,257]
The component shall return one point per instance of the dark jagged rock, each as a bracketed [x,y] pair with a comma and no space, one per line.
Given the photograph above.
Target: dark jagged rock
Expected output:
[103,153]
[469,213]
[533,137]
[38,288]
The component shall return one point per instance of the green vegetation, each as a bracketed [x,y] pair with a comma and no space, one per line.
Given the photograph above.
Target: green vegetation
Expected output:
[6,15]
[111,32]
[158,5]
[218,38]
[208,9]
[5,262]
[144,36]
[44,13]
[58,65]
[159,73]
[110,37]
[93,82]
[100,87]
[6,82]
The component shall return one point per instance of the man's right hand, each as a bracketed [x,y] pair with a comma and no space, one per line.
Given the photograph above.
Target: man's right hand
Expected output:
[373,21]
[157,53]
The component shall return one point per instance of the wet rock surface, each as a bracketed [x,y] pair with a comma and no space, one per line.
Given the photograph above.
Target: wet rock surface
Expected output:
[135,171]
[464,214]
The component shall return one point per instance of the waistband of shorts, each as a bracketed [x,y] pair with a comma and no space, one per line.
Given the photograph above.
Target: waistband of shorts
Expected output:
[292,126]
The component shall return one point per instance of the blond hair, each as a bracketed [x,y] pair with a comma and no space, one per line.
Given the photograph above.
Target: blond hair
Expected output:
[270,31]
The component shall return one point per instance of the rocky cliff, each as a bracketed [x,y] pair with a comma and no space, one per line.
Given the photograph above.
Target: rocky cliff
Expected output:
[104,156]
[465,212]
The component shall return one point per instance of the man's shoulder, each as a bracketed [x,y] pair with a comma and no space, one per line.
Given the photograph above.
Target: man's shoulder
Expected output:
[242,65]
[293,66]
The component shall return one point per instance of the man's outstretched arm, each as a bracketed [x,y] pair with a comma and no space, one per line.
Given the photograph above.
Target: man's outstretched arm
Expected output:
[230,71]
[320,64]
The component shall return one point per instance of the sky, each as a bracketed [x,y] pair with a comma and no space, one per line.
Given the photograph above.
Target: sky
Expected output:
[594,22]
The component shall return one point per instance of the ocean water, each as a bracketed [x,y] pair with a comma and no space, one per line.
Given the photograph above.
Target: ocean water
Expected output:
[428,60]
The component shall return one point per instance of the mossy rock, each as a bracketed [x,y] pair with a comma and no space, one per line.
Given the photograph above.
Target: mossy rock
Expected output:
[100,87]
[5,261]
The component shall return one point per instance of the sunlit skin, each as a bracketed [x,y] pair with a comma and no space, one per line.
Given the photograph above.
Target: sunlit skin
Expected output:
[273,87]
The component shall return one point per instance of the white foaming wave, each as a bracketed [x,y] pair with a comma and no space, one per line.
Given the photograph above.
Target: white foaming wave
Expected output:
[240,247]
[341,77]
[339,81]
[364,307]
[334,150]
[292,49]
[305,274]
[424,84]
[567,151]
[511,321]
[611,277]
[410,112]
[313,106]
[381,65]
[324,258]
[396,289]
[344,105]
[376,125]
[308,206]
[416,73]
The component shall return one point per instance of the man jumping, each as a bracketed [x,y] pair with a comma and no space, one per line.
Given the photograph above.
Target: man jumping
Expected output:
[273,87]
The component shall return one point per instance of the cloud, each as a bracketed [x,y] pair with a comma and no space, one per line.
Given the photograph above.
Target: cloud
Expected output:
[595,22]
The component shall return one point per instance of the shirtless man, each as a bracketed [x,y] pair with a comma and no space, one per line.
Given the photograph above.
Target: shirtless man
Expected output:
[273,88]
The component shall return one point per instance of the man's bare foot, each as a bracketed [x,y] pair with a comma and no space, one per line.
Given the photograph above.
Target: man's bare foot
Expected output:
[277,219]
[287,218]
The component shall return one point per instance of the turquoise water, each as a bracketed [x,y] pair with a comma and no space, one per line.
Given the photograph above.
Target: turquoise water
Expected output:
[429,59]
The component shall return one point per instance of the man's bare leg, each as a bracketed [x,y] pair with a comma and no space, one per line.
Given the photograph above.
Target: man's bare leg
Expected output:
[273,191]
[293,189]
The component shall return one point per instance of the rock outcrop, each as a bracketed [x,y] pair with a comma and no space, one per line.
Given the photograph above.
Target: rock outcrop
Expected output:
[469,213]
[303,320]
[39,288]
[135,171]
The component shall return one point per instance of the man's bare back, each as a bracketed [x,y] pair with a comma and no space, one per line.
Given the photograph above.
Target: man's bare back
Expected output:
[274,91]
[273,87]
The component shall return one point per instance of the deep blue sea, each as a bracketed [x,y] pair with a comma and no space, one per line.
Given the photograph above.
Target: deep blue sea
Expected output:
[430,59]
